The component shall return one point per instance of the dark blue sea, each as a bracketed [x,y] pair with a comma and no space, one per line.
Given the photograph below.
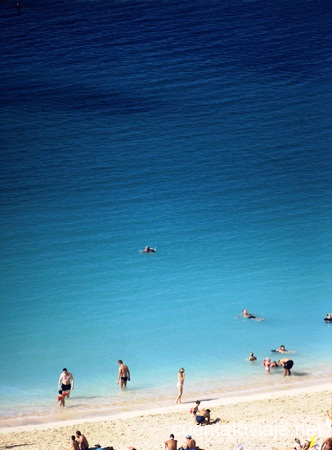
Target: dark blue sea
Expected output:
[202,128]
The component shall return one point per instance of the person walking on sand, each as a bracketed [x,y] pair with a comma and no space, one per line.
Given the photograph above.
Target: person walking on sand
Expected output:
[180,385]
[82,441]
[66,381]
[171,443]
[123,374]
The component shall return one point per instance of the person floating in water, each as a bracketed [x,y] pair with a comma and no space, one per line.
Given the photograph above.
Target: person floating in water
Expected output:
[282,349]
[328,318]
[250,316]
[148,250]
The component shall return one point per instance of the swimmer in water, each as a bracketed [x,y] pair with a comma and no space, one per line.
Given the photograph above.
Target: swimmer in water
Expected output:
[250,316]
[328,318]
[282,349]
[148,250]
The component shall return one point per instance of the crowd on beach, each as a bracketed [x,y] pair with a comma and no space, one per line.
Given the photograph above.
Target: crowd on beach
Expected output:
[202,416]
[80,442]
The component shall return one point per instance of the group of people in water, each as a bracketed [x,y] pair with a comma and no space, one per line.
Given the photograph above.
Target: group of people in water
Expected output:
[286,363]
[201,416]
[247,315]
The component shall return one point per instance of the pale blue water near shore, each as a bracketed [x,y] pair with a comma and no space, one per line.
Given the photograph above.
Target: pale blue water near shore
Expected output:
[201,128]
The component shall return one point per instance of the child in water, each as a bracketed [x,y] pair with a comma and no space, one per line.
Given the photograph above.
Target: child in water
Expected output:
[267,364]
[61,398]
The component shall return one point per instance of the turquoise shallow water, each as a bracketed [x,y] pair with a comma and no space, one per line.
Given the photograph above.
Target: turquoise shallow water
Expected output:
[215,150]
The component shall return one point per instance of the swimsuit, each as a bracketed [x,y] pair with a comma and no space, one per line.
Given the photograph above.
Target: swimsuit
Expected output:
[124,378]
[66,387]
[200,419]
[179,384]
[288,364]
[63,395]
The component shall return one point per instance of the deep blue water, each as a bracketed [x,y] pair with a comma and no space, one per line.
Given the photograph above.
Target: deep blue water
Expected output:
[201,128]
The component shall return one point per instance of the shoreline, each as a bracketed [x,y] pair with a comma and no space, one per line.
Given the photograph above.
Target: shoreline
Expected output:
[81,408]
[9,425]
[266,420]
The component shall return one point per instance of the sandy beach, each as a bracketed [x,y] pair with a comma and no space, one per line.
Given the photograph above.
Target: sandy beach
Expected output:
[257,421]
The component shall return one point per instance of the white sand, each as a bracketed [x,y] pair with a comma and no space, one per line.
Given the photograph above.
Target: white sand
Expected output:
[258,421]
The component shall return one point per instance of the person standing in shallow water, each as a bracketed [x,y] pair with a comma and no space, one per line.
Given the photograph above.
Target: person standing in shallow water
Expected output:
[66,382]
[123,374]
[287,364]
[180,385]
[252,357]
